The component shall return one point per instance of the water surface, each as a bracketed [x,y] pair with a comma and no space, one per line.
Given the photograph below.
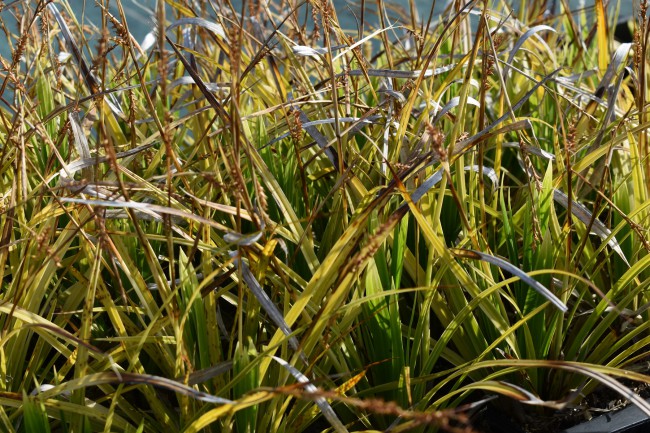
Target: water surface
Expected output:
[139,12]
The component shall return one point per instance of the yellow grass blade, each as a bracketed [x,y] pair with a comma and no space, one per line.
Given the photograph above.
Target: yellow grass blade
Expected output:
[602,36]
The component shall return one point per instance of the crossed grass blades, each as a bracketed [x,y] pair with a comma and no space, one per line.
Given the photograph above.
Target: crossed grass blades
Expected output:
[258,221]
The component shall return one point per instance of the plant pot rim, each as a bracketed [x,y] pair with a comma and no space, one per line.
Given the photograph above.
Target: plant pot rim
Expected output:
[626,420]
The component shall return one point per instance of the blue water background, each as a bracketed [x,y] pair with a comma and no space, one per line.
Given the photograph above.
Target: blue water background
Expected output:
[139,15]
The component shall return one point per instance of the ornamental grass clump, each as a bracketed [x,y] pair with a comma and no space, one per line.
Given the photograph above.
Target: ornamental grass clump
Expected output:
[258,220]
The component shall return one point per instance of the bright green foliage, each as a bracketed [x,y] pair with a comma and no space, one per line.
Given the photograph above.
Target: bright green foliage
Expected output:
[280,225]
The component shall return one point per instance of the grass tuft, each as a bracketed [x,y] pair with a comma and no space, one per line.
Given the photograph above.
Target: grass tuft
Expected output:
[261,220]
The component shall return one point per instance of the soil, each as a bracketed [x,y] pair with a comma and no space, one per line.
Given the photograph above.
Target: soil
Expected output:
[506,416]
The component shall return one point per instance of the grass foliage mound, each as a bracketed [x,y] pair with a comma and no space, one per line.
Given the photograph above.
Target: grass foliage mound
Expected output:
[258,221]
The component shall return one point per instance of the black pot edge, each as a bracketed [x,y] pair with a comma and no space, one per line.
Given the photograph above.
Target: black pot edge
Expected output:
[628,420]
